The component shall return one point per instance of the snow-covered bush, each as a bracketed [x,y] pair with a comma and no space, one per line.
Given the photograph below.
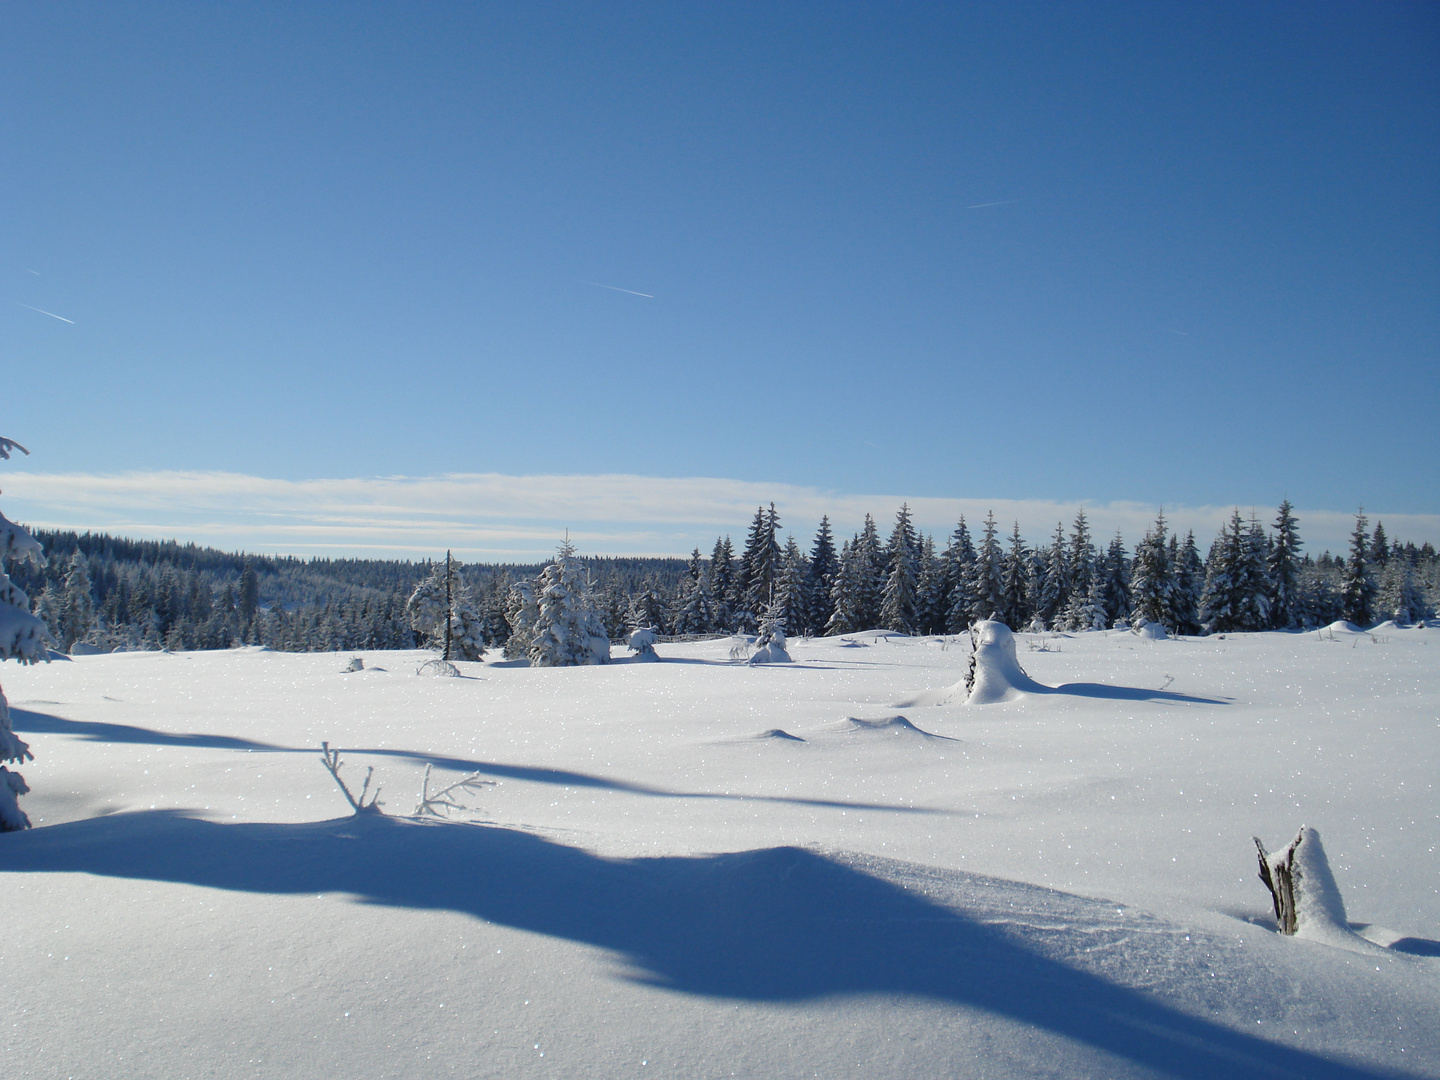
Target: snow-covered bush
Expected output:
[22,637]
[642,644]
[771,641]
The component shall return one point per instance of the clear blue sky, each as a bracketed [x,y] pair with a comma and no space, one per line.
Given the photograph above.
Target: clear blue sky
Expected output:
[1165,253]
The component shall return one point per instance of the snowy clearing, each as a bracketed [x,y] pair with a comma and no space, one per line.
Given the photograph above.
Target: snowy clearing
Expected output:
[706,868]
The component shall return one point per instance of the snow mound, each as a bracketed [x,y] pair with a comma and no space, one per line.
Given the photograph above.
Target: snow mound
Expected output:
[779,733]
[998,675]
[1341,626]
[1151,631]
[356,663]
[891,725]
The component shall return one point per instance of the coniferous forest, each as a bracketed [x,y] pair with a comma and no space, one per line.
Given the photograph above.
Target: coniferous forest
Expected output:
[103,593]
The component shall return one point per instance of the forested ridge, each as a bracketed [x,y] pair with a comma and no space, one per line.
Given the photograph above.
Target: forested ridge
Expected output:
[109,592]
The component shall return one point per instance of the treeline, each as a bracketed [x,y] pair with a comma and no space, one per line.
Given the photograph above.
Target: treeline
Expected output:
[1251,579]
[111,593]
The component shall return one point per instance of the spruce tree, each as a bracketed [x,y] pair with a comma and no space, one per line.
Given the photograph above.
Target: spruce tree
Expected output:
[824,564]
[870,575]
[987,597]
[22,638]
[792,589]
[1357,591]
[1015,582]
[958,564]
[845,591]
[897,606]
[1152,579]
[1283,570]
[722,584]
[1115,585]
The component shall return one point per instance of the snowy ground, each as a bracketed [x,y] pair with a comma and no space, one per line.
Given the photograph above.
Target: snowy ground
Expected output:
[1059,885]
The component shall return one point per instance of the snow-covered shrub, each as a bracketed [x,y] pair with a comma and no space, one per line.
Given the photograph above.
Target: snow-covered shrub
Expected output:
[771,640]
[22,637]
[356,663]
[642,644]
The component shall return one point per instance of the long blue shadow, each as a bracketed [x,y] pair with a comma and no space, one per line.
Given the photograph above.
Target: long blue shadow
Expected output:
[27,722]
[776,924]
[24,720]
[1123,693]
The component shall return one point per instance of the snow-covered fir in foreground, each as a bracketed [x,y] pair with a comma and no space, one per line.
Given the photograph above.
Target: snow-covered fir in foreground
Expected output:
[700,867]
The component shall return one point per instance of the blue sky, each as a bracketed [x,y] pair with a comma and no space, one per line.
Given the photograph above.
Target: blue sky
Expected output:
[1050,254]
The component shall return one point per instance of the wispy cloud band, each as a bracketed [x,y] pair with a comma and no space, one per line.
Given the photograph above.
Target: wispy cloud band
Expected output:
[494,517]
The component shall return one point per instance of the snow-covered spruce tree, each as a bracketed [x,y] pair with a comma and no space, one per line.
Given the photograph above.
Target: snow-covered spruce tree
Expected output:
[722,583]
[1015,582]
[77,606]
[897,603]
[22,638]
[959,569]
[1050,582]
[930,606]
[1115,581]
[824,564]
[695,612]
[792,587]
[522,613]
[869,574]
[1400,598]
[1189,584]
[1283,570]
[568,630]
[1152,579]
[1357,591]
[443,612]
[648,609]
[987,595]
[759,566]
[845,614]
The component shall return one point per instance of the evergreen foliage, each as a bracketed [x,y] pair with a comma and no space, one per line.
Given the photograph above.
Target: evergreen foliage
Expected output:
[1357,591]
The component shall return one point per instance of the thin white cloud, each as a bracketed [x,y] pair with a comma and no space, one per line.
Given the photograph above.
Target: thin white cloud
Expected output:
[495,517]
[42,311]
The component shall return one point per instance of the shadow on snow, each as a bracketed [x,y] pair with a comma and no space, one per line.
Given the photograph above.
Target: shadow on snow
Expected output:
[777,924]
[28,722]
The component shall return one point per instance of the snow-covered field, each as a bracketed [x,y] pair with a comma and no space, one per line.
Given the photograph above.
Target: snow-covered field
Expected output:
[1063,884]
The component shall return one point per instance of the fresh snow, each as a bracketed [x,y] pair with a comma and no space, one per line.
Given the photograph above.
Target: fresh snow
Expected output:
[1058,884]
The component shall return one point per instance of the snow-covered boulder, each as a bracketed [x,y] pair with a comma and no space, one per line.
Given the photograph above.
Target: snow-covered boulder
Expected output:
[1150,631]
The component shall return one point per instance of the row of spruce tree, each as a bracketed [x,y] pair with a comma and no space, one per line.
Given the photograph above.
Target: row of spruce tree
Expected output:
[1251,579]
[109,593]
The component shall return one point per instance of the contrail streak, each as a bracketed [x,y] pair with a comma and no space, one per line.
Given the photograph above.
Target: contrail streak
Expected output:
[52,314]
[982,205]
[617,288]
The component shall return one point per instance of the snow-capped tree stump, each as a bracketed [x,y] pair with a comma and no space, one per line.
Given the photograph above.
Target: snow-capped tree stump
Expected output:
[1302,888]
